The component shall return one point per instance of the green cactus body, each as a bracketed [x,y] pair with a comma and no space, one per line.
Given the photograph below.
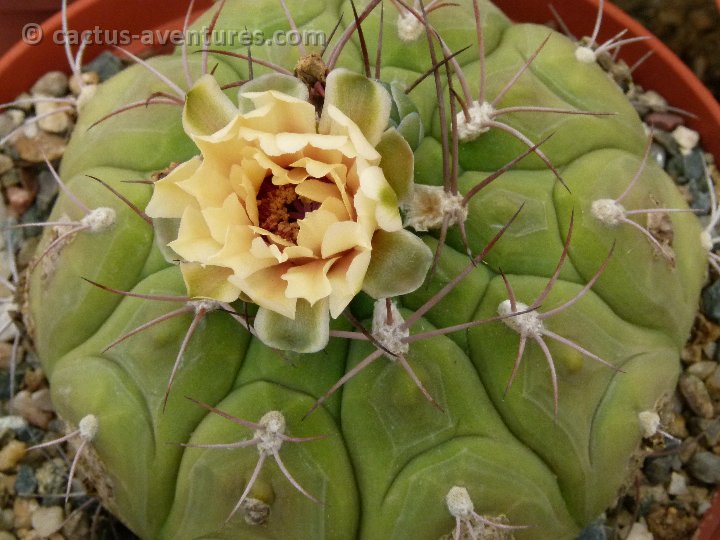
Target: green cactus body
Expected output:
[389,457]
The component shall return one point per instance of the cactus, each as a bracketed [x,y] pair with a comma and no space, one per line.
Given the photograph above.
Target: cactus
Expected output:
[379,406]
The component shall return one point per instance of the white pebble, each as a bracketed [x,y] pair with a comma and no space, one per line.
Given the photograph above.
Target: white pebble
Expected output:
[54,123]
[678,484]
[47,520]
[686,138]
[639,531]
[12,422]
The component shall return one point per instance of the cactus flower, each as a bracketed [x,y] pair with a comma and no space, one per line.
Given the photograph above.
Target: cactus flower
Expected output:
[279,209]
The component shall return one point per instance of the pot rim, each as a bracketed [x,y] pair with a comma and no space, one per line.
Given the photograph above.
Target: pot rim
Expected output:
[134,17]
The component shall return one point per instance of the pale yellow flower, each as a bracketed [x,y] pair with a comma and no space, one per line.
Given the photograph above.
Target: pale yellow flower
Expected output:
[278,210]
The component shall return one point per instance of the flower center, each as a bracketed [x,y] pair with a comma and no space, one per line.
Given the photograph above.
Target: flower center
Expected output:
[279,209]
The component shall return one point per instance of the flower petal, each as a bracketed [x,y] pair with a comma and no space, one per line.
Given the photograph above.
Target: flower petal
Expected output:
[219,220]
[207,109]
[209,282]
[346,279]
[342,236]
[284,84]
[313,228]
[374,186]
[276,112]
[168,199]
[400,261]
[194,242]
[267,289]
[308,332]
[309,281]
[365,102]
[397,164]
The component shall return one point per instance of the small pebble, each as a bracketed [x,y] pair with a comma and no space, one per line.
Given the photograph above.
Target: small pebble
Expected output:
[6,163]
[651,495]
[35,149]
[711,301]
[595,531]
[36,408]
[711,431]
[676,168]
[694,168]
[712,383]
[48,190]
[639,531]
[12,422]
[671,523]
[51,477]
[705,466]
[7,124]
[105,65]
[24,509]
[88,78]
[658,469]
[710,349]
[54,123]
[25,102]
[676,426]
[696,396]
[7,519]
[686,138]
[658,153]
[11,454]
[678,484]
[34,379]
[53,84]
[48,520]
[702,369]
[665,121]
[25,482]
[4,535]
[687,449]
[19,199]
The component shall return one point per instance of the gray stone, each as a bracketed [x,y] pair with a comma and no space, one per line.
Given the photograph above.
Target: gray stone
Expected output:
[659,154]
[25,482]
[675,168]
[53,84]
[51,477]
[702,369]
[7,123]
[658,469]
[705,466]
[106,65]
[711,302]
[712,383]
[694,165]
[696,395]
[595,531]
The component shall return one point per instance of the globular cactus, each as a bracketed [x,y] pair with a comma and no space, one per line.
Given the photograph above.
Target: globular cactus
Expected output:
[399,420]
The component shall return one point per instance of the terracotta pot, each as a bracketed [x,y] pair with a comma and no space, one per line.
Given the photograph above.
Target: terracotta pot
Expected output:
[24,63]
[14,15]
